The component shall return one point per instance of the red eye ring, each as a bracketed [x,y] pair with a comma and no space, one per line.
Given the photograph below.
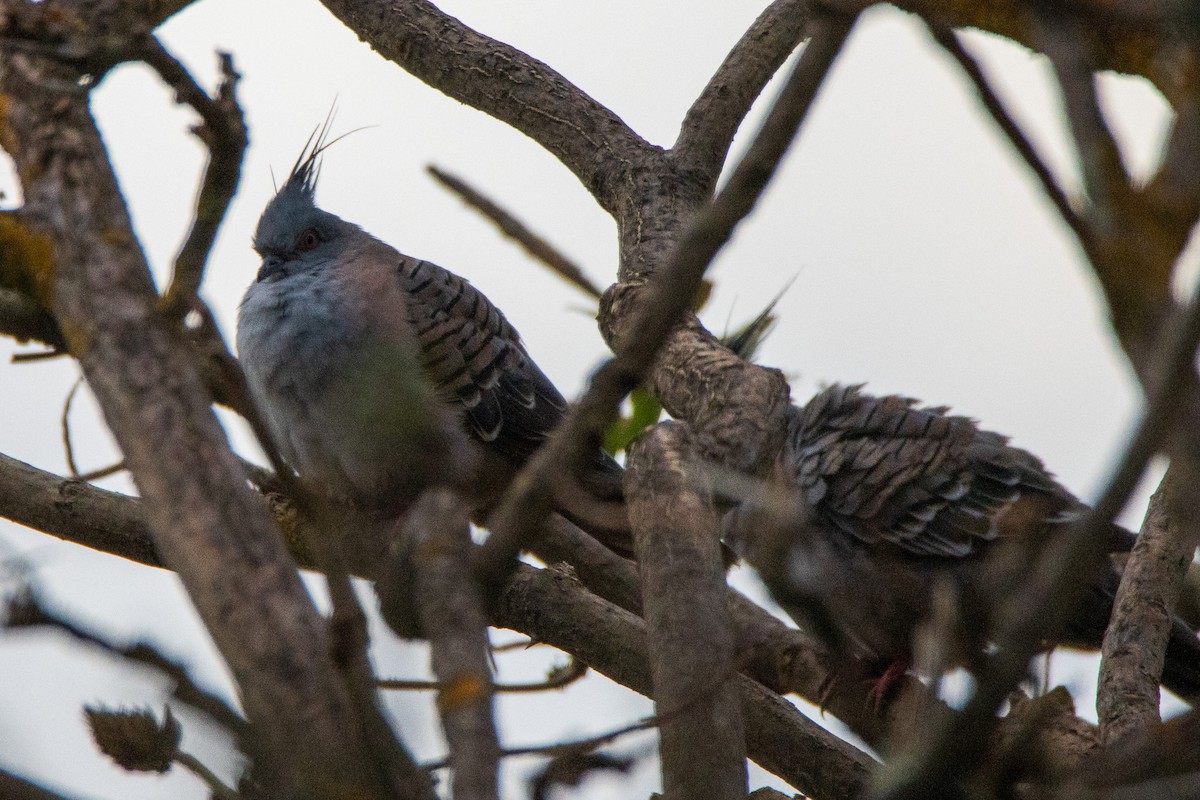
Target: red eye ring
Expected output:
[307,240]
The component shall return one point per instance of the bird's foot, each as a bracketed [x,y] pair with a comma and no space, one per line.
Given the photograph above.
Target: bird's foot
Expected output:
[884,686]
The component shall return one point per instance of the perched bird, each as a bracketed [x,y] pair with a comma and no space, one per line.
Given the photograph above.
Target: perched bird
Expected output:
[379,374]
[912,517]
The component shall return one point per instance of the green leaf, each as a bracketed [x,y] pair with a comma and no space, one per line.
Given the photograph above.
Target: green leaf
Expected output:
[645,412]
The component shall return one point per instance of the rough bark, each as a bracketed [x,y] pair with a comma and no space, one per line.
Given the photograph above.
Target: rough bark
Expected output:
[205,522]
[677,536]
[551,606]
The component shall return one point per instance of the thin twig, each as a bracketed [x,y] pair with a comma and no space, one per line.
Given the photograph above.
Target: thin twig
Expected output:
[563,748]
[559,678]
[515,644]
[68,446]
[219,789]
[223,131]
[41,355]
[65,425]
[951,42]
[516,230]
[25,611]
[592,742]
[102,472]
[1103,170]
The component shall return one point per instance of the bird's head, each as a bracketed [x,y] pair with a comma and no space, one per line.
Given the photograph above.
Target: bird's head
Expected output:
[293,235]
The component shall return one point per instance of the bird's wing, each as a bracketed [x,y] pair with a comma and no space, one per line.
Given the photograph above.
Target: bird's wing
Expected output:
[881,469]
[475,359]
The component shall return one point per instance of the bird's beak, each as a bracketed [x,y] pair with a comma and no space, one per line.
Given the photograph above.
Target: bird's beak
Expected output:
[271,269]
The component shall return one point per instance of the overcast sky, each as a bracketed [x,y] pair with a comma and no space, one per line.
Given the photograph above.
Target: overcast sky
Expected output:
[924,261]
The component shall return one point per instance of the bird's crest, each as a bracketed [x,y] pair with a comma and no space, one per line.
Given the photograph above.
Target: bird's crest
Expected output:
[307,169]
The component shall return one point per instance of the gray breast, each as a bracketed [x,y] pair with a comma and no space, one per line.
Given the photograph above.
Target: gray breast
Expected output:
[345,409]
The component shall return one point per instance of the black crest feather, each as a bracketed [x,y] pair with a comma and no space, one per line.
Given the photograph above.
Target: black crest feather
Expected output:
[307,169]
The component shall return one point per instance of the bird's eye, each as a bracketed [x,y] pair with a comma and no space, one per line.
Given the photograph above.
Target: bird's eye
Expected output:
[307,241]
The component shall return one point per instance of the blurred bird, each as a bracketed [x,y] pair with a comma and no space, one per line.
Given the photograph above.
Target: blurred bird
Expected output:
[379,374]
[912,520]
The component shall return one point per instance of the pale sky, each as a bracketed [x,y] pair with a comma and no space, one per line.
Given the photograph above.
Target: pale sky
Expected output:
[925,262]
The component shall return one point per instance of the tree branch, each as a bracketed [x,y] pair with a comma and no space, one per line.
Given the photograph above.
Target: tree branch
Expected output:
[25,611]
[1126,36]
[436,534]
[779,657]
[710,124]
[677,536]
[513,228]
[737,410]
[75,512]
[223,131]
[1136,640]
[15,787]
[502,82]
[204,521]
[1036,614]
[552,607]
[950,41]
[1145,763]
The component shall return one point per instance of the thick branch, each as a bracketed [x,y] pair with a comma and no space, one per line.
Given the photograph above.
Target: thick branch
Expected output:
[552,607]
[502,82]
[1136,640]
[677,535]
[1146,763]
[450,608]
[715,117]
[737,410]
[778,657]
[75,512]
[205,522]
